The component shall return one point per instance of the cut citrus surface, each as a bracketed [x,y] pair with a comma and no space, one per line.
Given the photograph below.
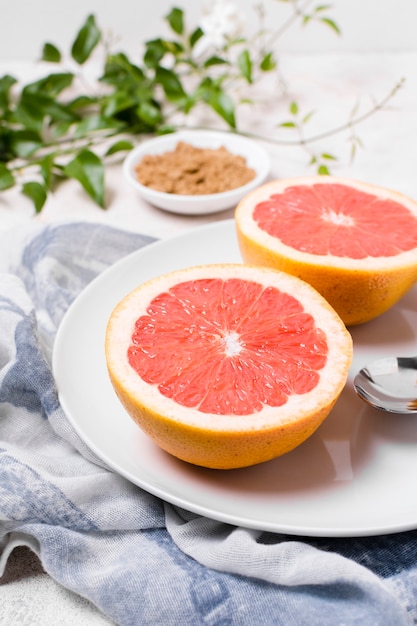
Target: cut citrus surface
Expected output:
[228,365]
[354,242]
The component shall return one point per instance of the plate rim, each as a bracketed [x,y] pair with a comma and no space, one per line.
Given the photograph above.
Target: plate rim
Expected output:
[208,511]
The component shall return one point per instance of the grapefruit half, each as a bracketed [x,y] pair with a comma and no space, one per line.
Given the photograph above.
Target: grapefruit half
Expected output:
[226,366]
[354,242]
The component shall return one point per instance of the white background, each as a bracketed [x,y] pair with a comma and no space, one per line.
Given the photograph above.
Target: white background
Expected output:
[367,25]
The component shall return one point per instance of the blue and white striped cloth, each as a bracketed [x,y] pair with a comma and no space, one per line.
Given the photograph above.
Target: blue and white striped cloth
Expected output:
[139,560]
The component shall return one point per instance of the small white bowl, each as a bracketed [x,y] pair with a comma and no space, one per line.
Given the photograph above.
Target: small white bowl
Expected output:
[256,158]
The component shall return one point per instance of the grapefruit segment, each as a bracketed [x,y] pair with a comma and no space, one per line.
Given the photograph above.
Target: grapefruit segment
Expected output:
[227,365]
[354,242]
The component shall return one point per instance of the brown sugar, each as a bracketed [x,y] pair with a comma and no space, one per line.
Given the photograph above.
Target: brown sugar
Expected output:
[189,170]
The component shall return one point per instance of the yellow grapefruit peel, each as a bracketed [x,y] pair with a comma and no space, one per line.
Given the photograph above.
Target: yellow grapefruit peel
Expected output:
[224,441]
[358,289]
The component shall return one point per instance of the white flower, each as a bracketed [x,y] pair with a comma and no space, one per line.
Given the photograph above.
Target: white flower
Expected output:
[222,22]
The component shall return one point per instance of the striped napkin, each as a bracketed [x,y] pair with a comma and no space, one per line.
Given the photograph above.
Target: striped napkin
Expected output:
[139,560]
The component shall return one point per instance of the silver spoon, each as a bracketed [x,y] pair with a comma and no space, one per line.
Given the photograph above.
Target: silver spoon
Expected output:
[389,384]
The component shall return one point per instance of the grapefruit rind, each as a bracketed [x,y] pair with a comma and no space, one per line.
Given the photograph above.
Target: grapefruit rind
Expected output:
[358,289]
[226,441]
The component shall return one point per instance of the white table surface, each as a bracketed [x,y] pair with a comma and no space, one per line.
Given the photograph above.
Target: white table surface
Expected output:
[332,85]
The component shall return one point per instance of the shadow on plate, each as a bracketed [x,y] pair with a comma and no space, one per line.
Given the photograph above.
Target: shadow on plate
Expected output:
[395,327]
[336,453]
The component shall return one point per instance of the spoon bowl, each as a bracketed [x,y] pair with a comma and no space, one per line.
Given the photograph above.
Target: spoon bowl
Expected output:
[389,384]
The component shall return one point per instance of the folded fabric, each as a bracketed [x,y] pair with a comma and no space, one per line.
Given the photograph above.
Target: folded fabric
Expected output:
[138,559]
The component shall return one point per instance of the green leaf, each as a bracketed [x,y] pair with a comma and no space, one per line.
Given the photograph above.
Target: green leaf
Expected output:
[214,60]
[175,19]
[307,117]
[24,143]
[37,193]
[6,82]
[223,105]
[328,157]
[245,65]
[119,146]
[170,83]
[7,179]
[86,40]
[94,123]
[150,113]
[293,108]
[116,102]
[195,36]
[46,167]
[174,47]
[155,51]
[166,129]
[29,114]
[60,129]
[6,152]
[332,24]
[118,70]
[50,53]
[35,109]
[287,125]
[323,170]
[88,169]
[81,102]
[212,94]
[51,85]
[268,63]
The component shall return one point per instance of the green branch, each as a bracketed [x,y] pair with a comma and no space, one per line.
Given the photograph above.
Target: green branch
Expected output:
[47,135]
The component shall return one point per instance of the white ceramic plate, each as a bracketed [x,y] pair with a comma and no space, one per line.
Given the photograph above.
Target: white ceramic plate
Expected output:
[354,477]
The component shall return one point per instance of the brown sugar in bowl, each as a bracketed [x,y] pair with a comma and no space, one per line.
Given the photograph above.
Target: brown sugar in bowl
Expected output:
[191,170]
[248,164]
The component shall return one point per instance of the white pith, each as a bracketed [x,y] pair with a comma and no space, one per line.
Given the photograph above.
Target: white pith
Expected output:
[232,344]
[339,219]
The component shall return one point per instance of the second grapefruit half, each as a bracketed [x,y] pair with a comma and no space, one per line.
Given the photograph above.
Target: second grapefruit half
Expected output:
[354,242]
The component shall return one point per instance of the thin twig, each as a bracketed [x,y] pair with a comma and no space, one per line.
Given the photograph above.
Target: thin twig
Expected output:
[297,12]
[307,140]
[358,120]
